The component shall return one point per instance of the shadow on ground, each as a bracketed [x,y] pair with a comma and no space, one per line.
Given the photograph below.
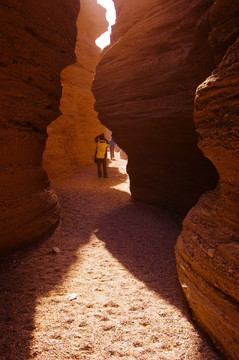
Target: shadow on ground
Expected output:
[31,273]
[141,237]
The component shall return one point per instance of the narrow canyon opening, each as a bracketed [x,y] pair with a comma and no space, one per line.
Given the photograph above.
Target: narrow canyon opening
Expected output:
[120,249]
[70,142]
[104,39]
[172,172]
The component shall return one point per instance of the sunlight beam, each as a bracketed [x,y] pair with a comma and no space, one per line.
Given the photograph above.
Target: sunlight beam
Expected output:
[104,39]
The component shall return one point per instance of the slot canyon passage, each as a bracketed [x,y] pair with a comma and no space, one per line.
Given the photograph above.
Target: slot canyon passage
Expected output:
[149,272]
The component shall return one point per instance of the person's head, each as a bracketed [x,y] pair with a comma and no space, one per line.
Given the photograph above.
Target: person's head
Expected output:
[102,137]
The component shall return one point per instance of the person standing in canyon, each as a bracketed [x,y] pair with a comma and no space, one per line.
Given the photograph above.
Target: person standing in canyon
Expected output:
[112,149]
[101,155]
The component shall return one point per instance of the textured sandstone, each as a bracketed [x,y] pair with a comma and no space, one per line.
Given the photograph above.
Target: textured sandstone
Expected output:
[144,88]
[70,142]
[208,248]
[37,42]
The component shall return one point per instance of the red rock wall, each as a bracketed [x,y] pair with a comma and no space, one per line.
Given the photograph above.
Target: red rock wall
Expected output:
[144,88]
[208,248]
[70,142]
[37,42]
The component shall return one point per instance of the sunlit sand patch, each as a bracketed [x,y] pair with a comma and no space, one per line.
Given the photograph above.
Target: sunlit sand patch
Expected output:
[103,310]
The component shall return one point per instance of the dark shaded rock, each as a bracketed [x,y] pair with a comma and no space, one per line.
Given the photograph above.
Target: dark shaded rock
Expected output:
[144,89]
[208,248]
[37,42]
[145,92]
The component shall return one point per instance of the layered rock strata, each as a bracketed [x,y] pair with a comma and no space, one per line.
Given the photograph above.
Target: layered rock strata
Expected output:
[208,248]
[37,42]
[70,142]
[144,88]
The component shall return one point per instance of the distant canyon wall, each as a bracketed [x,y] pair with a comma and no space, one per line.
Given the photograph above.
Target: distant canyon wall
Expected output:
[70,142]
[171,76]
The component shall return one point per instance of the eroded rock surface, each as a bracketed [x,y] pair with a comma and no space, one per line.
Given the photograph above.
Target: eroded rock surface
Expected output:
[37,42]
[208,248]
[70,142]
[145,89]
[145,86]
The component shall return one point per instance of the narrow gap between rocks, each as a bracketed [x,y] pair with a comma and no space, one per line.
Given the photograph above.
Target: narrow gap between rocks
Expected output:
[104,285]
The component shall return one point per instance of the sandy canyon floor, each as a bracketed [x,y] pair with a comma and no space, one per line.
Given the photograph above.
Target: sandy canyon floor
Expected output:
[109,290]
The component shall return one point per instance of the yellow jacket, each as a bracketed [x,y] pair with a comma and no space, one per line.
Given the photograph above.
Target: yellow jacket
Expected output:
[101,149]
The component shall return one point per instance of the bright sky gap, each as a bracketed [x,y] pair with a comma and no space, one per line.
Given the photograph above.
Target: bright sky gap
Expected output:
[104,39]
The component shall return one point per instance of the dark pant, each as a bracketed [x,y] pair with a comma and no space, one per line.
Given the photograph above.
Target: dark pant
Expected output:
[112,153]
[101,163]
